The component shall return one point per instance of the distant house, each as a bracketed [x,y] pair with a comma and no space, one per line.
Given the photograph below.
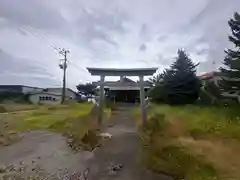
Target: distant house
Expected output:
[68,93]
[16,93]
[216,78]
[45,98]
[52,96]
[38,95]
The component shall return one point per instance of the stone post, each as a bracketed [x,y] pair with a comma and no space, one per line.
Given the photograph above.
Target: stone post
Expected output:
[101,101]
[142,100]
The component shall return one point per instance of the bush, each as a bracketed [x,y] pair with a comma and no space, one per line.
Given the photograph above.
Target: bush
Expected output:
[156,94]
[14,97]
[163,153]
[2,109]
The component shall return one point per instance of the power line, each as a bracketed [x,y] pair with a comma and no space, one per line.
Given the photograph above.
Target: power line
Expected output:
[81,69]
[31,31]
[62,51]
[76,66]
[45,39]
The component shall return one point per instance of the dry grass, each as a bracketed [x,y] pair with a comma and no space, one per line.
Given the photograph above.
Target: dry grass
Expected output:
[18,107]
[73,120]
[223,154]
[193,143]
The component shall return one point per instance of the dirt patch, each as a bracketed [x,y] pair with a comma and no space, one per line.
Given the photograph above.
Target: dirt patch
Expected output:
[49,152]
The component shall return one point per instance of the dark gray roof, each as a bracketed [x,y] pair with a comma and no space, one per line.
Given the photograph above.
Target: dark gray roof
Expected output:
[46,93]
[15,88]
[49,89]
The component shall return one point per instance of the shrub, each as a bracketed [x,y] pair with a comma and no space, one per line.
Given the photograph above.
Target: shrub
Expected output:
[14,97]
[2,109]
[156,93]
[163,153]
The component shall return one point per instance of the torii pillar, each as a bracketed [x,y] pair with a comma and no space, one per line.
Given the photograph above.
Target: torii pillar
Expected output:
[140,72]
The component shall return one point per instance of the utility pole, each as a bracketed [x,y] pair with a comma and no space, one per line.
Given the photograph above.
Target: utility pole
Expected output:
[63,66]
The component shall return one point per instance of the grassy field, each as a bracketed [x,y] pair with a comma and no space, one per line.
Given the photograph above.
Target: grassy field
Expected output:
[193,143]
[17,107]
[73,120]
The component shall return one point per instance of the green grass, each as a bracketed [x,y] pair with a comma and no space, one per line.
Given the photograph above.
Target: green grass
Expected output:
[191,142]
[179,164]
[18,107]
[204,121]
[73,120]
[46,116]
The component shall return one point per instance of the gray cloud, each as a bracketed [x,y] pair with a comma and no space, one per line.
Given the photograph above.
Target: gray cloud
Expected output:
[17,70]
[143,47]
[103,33]
[33,13]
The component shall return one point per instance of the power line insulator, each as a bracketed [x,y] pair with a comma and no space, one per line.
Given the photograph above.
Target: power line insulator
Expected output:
[61,66]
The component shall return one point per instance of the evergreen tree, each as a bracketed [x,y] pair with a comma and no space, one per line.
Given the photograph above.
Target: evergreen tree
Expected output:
[158,82]
[183,63]
[181,86]
[231,74]
[178,84]
[159,78]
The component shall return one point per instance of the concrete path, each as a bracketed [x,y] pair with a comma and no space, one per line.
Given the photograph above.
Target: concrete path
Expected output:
[119,158]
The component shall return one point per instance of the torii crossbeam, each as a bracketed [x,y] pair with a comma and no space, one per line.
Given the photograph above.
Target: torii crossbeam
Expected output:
[140,72]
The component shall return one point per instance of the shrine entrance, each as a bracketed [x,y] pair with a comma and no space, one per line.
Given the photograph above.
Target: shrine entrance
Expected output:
[127,96]
[125,89]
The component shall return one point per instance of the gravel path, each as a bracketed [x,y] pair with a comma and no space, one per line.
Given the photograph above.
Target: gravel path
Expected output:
[118,159]
[45,153]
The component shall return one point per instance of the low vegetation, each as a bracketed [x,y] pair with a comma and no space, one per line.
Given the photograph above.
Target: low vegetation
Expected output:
[13,107]
[76,121]
[193,143]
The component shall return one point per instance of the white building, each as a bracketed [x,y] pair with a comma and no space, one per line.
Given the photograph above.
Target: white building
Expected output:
[51,96]
[45,98]
[68,93]
[39,95]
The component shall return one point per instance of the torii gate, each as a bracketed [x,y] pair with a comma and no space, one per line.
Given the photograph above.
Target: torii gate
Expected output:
[140,72]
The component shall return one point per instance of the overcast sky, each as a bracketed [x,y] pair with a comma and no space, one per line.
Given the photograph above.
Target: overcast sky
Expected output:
[107,33]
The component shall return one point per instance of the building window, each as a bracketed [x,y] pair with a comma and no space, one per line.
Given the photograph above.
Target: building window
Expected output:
[47,98]
[42,98]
